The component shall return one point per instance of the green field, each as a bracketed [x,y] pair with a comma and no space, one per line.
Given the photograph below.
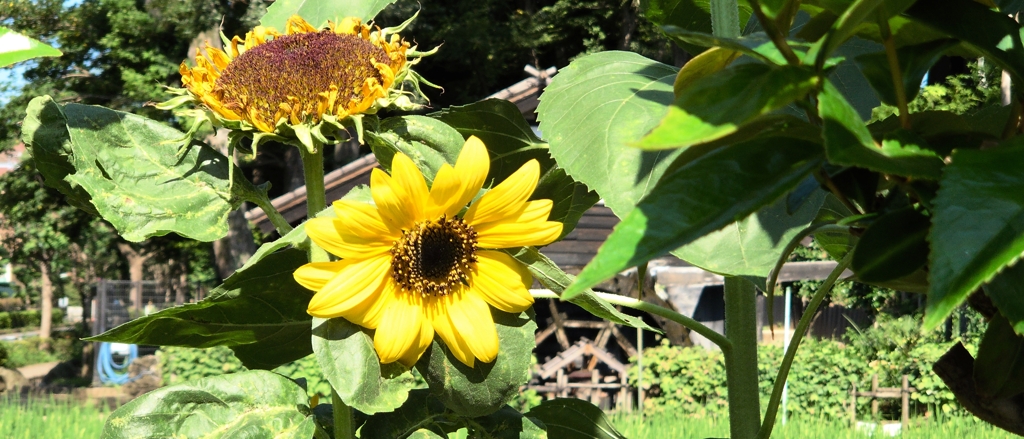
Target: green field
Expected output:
[53,419]
[36,418]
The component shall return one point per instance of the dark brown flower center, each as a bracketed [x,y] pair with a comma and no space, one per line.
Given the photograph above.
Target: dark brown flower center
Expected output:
[434,257]
[300,66]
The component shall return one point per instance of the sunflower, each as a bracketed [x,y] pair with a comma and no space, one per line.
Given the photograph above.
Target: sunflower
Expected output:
[302,85]
[414,264]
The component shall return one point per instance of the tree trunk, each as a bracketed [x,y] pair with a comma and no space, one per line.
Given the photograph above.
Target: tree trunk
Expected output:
[136,262]
[46,305]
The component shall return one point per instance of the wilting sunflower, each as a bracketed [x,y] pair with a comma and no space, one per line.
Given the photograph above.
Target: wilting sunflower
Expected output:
[303,85]
[414,265]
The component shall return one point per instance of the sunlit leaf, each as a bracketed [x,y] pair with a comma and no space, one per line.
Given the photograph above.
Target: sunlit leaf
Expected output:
[318,12]
[15,47]
[260,403]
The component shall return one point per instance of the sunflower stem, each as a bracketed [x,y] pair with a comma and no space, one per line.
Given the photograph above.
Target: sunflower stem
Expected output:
[275,217]
[316,200]
[741,360]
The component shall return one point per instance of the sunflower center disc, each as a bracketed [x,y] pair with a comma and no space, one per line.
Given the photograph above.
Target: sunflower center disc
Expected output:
[300,66]
[434,257]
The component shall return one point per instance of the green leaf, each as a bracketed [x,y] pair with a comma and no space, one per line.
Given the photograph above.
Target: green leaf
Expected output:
[129,167]
[751,247]
[848,142]
[944,131]
[978,224]
[318,13]
[848,78]
[1007,293]
[260,312]
[836,243]
[45,130]
[511,143]
[999,367]
[691,15]
[485,388]
[350,363]
[716,106]
[421,409]
[756,45]
[574,419]
[425,434]
[429,142]
[894,246]
[588,132]
[508,423]
[993,33]
[704,195]
[914,63]
[15,48]
[843,28]
[259,403]
[553,278]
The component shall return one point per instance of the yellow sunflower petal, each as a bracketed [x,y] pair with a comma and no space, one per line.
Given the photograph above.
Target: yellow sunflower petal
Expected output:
[355,282]
[506,198]
[438,315]
[474,325]
[390,200]
[399,330]
[335,236]
[444,193]
[472,167]
[508,234]
[315,275]
[502,281]
[407,176]
[364,220]
[369,312]
[422,343]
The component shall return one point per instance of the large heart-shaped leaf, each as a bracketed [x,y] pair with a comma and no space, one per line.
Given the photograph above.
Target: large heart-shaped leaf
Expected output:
[429,142]
[259,403]
[700,197]
[350,364]
[45,130]
[130,168]
[751,247]
[593,109]
[999,367]
[318,13]
[1007,293]
[485,388]
[978,224]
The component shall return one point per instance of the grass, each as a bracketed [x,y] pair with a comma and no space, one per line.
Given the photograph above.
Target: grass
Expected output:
[43,418]
[664,426]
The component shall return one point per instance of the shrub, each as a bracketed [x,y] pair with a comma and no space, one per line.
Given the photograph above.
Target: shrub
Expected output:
[182,364]
[692,380]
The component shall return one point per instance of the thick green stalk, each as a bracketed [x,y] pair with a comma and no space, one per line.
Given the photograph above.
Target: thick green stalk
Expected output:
[275,217]
[316,200]
[725,18]
[801,329]
[741,361]
[313,171]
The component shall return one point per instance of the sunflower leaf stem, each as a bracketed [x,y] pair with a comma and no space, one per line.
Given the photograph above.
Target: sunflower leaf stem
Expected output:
[261,200]
[639,305]
[798,335]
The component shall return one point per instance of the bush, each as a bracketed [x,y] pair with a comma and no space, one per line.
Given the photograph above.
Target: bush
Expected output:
[25,352]
[182,364]
[692,380]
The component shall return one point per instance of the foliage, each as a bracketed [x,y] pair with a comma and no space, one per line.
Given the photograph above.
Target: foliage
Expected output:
[692,380]
[182,365]
[29,318]
[49,417]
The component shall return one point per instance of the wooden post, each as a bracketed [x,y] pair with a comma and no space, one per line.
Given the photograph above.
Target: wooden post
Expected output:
[853,405]
[905,411]
[561,383]
[595,393]
[874,401]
